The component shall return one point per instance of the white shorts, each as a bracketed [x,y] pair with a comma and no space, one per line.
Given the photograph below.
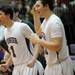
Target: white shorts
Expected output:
[64,68]
[24,70]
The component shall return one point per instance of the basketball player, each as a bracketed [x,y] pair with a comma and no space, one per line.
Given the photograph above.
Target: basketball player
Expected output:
[54,41]
[17,34]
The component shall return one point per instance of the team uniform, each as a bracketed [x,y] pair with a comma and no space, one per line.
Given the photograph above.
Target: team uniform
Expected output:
[1,32]
[21,51]
[58,63]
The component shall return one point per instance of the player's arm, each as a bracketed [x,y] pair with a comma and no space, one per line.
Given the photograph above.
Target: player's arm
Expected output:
[9,61]
[37,22]
[4,67]
[26,30]
[54,44]
[56,40]
[35,56]
[37,50]
[56,37]
[37,25]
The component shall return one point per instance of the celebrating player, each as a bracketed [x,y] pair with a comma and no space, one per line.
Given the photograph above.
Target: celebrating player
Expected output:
[54,41]
[17,35]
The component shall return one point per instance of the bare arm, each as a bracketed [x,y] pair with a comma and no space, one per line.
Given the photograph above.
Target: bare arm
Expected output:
[37,22]
[9,61]
[54,45]
[4,67]
[36,53]
[35,56]
[37,25]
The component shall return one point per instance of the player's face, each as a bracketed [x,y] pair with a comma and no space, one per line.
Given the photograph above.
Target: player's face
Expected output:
[3,18]
[40,8]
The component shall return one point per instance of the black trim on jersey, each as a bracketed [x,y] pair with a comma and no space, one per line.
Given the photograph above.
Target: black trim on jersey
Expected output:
[38,72]
[28,45]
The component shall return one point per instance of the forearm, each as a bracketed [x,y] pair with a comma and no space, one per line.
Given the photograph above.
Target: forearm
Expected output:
[37,25]
[9,61]
[36,53]
[6,56]
[52,46]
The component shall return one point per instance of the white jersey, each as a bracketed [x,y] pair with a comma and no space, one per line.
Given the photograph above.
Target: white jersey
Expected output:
[15,38]
[1,32]
[52,28]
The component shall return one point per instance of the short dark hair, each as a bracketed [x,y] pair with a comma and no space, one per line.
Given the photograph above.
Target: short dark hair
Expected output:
[16,9]
[49,2]
[7,9]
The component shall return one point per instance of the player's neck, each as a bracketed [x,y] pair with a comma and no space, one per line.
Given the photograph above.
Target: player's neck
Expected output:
[9,23]
[18,19]
[48,14]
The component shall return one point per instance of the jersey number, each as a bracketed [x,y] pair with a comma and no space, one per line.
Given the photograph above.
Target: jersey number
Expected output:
[11,47]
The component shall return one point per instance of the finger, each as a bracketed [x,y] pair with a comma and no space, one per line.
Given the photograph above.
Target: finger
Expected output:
[33,9]
[3,66]
[3,69]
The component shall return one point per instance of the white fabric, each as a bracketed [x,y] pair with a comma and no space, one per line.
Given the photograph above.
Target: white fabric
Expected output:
[24,70]
[53,28]
[64,68]
[15,38]
[1,32]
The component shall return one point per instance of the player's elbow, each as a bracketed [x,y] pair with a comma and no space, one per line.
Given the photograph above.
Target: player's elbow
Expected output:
[55,47]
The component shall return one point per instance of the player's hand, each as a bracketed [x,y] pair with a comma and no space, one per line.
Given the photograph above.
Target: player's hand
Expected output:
[3,67]
[36,11]
[31,63]
[34,38]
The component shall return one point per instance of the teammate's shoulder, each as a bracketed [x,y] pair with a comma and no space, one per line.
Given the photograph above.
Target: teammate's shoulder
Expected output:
[20,24]
[56,18]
